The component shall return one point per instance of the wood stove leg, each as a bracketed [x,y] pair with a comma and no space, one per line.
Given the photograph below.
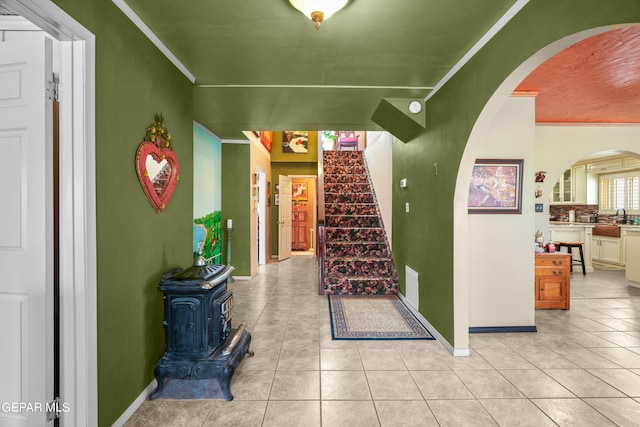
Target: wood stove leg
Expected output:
[160,379]
[225,384]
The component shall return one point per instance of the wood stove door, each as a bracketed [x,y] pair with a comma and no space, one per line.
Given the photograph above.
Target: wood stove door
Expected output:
[185,325]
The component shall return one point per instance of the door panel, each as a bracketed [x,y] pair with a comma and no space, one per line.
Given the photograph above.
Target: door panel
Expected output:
[26,230]
[284,218]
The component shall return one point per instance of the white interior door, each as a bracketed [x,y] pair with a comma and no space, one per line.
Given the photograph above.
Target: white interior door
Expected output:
[26,231]
[284,218]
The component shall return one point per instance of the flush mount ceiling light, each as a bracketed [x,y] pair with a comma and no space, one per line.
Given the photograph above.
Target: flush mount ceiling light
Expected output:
[415,107]
[318,10]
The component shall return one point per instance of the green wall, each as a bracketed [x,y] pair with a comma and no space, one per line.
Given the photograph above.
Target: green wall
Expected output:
[236,204]
[288,168]
[135,245]
[423,239]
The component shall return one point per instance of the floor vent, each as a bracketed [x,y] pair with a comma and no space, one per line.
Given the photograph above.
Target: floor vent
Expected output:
[412,287]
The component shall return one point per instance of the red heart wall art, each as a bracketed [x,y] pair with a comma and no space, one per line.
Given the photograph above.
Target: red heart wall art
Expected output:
[158,172]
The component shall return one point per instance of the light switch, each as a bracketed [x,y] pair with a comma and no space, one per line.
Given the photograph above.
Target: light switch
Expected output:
[403,183]
[406,207]
[539,207]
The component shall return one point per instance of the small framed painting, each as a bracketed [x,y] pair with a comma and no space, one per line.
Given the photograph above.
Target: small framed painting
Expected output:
[296,141]
[496,187]
[299,191]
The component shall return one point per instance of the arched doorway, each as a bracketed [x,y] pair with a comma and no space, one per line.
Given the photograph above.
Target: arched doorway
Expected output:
[482,297]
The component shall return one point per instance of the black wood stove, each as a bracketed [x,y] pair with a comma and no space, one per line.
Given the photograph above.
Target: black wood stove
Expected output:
[201,350]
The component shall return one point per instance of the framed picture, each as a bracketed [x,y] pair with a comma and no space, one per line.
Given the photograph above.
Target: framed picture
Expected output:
[496,187]
[296,141]
[299,191]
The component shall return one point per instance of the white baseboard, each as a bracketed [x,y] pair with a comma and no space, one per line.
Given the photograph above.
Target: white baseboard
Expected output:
[136,404]
[434,331]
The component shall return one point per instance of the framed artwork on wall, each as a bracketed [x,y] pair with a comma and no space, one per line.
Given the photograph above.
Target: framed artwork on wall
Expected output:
[496,187]
[296,141]
[299,191]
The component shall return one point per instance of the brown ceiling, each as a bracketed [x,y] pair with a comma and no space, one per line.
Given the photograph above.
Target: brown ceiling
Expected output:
[596,80]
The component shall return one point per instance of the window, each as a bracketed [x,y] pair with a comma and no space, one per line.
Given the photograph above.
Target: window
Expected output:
[620,191]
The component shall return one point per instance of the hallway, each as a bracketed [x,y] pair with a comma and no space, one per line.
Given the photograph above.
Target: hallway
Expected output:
[582,367]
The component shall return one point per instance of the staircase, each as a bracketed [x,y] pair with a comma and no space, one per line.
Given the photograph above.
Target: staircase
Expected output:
[357,257]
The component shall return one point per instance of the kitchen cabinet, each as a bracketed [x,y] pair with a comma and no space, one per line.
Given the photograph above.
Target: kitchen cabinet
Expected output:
[606,249]
[552,280]
[632,241]
[571,187]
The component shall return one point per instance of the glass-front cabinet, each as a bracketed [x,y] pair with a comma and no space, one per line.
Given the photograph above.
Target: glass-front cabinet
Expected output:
[571,187]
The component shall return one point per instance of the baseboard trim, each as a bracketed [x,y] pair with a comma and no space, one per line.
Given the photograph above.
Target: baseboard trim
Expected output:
[135,405]
[434,331]
[500,329]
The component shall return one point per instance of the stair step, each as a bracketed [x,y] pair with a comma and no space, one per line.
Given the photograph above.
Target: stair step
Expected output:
[358,267]
[356,250]
[345,170]
[353,221]
[345,178]
[350,209]
[348,187]
[348,198]
[360,286]
[339,234]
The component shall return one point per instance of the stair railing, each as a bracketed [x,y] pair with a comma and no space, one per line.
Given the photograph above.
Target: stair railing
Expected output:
[320,215]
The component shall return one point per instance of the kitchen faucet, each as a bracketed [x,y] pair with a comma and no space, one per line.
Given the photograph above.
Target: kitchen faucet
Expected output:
[624,215]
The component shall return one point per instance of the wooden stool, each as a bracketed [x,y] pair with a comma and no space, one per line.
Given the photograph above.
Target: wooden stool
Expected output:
[574,261]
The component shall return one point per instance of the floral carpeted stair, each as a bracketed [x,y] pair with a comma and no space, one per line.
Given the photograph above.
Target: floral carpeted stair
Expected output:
[357,255]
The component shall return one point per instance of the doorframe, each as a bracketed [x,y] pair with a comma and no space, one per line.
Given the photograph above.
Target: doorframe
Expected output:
[313,227]
[78,308]
[262,216]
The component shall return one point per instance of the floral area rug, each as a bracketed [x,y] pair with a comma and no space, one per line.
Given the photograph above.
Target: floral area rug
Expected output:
[379,317]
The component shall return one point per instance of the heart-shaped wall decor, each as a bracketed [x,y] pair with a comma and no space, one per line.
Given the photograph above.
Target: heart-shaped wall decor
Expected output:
[158,172]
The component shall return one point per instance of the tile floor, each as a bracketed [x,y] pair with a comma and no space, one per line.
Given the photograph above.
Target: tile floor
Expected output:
[582,367]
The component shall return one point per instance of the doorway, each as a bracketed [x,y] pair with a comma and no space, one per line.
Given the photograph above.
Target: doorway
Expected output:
[77,239]
[303,214]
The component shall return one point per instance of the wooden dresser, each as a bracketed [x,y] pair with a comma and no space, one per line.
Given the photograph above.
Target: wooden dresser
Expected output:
[552,280]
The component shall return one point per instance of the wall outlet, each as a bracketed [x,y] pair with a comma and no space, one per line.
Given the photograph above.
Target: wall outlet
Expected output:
[406,207]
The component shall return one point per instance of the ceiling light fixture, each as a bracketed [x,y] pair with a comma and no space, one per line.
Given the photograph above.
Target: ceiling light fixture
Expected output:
[318,10]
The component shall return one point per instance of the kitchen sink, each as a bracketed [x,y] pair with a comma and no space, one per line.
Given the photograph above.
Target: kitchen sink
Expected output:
[606,230]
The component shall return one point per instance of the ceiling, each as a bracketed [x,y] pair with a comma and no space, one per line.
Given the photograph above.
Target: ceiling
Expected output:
[596,80]
[261,65]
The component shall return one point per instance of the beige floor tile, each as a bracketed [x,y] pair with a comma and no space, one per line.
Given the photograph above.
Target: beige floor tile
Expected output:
[299,359]
[292,414]
[516,412]
[621,356]
[382,359]
[296,385]
[460,413]
[440,385]
[535,383]
[344,385]
[236,414]
[392,385]
[251,385]
[179,413]
[263,359]
[624,412]
[582,383]
[504,358]
[543,358]
[620,338]
[348,413]
[572,412]
[586,358]
[486,384]
[423,360]
[340,359]
[622,379]
[404,413]
[472,362]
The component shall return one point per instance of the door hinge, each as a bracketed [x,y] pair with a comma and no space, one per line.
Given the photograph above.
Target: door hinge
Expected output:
[54,409]
[53,92]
